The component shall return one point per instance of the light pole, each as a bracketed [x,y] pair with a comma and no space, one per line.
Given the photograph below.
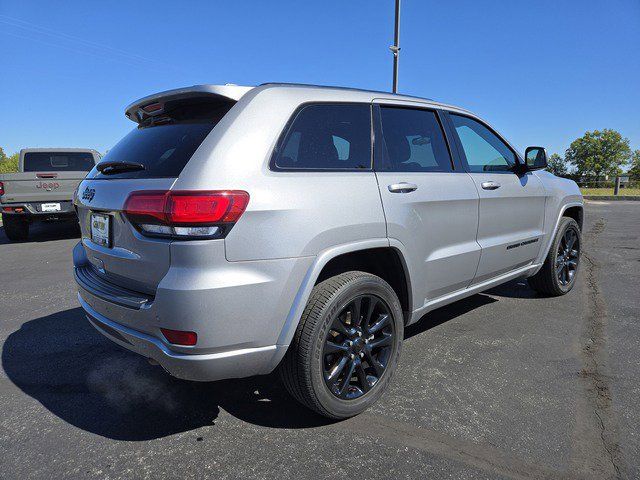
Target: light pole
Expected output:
[395,48]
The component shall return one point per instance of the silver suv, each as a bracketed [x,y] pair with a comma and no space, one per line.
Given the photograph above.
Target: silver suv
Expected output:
[238,230]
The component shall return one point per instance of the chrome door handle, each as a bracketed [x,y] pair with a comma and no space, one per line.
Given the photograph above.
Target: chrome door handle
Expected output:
[490,185]
[402,187]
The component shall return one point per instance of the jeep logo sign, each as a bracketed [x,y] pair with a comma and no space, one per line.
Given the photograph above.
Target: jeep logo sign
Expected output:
[88,194]
[48,186]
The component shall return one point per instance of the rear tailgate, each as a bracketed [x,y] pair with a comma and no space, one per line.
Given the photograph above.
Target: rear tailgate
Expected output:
[149,159]
[40,186]
[130,260]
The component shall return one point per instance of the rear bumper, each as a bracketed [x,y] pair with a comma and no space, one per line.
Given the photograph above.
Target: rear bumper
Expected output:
[33,210]
[237,309]
[206,367]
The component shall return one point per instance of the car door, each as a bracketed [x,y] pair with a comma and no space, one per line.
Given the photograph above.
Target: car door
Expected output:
[511,204]
[430,206]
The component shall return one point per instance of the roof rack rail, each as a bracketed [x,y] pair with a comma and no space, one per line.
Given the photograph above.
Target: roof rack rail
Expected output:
[343,88]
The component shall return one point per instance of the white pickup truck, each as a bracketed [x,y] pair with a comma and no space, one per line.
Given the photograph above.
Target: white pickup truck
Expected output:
[42,190]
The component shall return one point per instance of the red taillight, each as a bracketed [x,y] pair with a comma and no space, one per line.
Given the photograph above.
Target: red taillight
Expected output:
[1,188]
[207,214]
[180,337]
[146,206]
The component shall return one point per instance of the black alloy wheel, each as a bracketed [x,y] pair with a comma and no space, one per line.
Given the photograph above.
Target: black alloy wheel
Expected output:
[358,347]
[567,257]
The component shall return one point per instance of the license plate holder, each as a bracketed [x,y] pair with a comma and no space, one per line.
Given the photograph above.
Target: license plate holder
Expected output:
[50,207]
[101,229]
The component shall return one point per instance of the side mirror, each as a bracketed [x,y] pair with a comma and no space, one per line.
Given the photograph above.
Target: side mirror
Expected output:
[535,158]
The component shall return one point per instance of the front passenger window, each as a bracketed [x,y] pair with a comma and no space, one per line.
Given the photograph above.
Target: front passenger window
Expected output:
[484,151]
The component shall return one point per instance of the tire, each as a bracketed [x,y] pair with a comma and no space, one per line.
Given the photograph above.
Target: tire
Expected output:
[548,281]
[332,308]
[16,229]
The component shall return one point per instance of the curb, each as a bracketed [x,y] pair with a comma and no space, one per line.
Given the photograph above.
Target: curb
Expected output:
[630,198]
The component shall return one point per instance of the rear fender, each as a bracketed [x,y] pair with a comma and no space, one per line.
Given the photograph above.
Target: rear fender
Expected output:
[309,281]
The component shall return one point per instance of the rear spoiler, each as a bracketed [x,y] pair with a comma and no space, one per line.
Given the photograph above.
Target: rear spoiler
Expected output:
[141,109]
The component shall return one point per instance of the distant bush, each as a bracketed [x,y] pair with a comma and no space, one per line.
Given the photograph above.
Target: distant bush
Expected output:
[9,164]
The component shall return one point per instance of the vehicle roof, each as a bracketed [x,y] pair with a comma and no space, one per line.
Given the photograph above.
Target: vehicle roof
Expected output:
[235,92]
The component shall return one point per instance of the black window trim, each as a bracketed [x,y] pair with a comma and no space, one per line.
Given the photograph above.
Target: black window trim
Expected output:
[377,122]
[460,148]
[285,132]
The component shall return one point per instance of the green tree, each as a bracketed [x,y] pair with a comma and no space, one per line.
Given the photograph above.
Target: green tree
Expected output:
[634,171]
[3,156]
[557,165]
[9,164]
[599,153]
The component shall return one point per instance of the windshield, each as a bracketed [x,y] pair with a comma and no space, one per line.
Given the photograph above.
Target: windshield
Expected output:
[58,162]
[164,144]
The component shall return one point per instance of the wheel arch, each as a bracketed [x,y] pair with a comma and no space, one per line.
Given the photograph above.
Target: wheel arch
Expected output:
[337,258]
[573,210]
[576,212]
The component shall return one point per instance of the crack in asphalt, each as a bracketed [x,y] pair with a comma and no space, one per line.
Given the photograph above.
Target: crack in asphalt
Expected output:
[485,457]
[593,357]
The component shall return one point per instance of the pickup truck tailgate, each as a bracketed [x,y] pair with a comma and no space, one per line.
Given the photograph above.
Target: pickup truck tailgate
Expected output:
[39,187]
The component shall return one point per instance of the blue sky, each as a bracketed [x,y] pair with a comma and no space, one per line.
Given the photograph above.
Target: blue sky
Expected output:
[541,72]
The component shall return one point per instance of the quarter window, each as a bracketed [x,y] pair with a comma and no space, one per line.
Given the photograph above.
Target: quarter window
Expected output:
[412,142]
[328,137]
[484,151]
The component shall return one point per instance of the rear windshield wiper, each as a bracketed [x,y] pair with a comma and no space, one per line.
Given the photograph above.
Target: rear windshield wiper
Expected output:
[107,168]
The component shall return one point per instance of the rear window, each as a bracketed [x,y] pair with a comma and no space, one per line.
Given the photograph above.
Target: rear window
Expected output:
[165,143]
[327,137]
[58,161]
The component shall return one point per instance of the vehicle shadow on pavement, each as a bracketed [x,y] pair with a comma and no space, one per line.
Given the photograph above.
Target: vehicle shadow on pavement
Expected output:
[45,232]
[514,289]
[86,380]
[446,313]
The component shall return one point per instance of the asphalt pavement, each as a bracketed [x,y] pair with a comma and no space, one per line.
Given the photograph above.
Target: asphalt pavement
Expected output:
[504,384]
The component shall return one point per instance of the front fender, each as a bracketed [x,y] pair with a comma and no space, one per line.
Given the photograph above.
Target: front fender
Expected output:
[544,250]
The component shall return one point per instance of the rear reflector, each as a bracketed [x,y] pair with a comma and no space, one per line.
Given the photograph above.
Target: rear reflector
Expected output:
[13,209]
[186,214]
[180,337]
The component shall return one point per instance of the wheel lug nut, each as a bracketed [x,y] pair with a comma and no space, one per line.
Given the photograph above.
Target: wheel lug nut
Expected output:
[352,356]
[349,343]
[359,334]
[361,354]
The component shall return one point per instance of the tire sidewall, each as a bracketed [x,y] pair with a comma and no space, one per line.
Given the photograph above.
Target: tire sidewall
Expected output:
[370,285]
[567,224]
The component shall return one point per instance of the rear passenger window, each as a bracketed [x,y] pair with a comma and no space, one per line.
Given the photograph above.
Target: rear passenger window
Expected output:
[328,137]
[412,142]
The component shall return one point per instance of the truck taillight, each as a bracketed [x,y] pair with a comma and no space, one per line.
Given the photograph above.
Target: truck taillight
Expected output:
[185,214]
[1,188]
